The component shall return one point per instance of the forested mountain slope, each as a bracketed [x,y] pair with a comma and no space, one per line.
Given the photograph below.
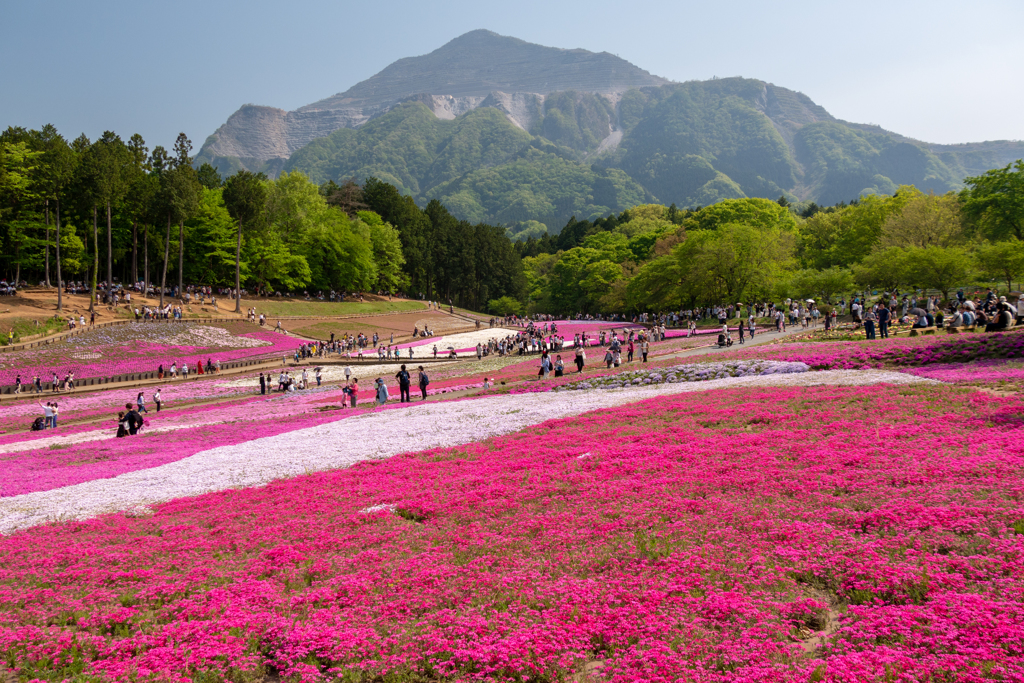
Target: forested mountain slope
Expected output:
[505,131]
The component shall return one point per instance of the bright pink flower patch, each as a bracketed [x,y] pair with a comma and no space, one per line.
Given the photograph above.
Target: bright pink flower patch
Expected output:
[698,537]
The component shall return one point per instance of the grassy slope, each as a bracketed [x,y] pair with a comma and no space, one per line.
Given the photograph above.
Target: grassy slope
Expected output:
[288,307]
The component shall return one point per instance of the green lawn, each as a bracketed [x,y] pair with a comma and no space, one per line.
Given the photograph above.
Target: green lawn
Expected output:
[323,330]
[287,307]
[30,327]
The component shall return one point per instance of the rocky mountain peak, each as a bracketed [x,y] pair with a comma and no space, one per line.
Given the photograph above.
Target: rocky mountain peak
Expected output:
[479,68]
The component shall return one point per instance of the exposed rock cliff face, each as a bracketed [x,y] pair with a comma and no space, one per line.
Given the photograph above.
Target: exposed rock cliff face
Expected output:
[479,68]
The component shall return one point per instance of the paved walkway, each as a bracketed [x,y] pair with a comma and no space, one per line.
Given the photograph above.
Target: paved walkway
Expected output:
[762,337]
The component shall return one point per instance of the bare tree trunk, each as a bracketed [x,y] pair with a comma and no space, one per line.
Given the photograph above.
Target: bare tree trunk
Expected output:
[110,253]
[145,257]
[47,245]
[238,270]
[60,290]
[135,251]
[181,257]
[96,260]
[167,256]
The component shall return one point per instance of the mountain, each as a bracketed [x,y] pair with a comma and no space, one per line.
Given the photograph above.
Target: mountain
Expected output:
[505,131]
[477,68]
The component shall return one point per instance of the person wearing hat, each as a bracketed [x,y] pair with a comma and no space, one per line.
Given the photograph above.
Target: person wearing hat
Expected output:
[1009,307]
[382,392]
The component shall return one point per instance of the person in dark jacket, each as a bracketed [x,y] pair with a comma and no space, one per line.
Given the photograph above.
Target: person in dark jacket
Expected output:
[133,419]
[884,316]
[403,385]
[424,381]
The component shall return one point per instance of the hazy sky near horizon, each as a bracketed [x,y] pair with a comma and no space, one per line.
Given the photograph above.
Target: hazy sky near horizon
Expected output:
[934,70]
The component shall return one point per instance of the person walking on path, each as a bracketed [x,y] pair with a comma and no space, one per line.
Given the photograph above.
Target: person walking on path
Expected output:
[348,373]
[263,385]
[156,400]
[581,357]
[645,348]
[382,392]
[141,401]
[403,385]
[17,385]
[740,327]
[424,381]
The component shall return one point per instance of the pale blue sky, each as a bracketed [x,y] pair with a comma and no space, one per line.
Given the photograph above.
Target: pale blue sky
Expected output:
[939,71]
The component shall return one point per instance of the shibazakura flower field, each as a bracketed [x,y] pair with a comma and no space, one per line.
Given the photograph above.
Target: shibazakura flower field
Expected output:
[848,511]
[143,347]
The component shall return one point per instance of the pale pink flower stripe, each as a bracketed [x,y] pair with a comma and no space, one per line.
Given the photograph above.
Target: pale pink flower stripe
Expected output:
[685,538]
[978,372]
[896,352]
[162,441]
[172,435]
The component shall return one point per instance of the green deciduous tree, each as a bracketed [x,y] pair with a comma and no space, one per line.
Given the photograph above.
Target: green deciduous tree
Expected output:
[925,221]
[18,194]
[1002,261]
[993,202]
[387,252]
[941,268]
[884,269]
[823,284]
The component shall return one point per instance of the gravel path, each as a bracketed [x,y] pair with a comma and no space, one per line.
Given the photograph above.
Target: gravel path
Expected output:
[367,437]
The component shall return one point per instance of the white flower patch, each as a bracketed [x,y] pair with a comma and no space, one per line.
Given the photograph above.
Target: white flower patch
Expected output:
[464,340]
[369,436]
[87,356]
[203,335]
[336,373]
[138,511]
[383,507]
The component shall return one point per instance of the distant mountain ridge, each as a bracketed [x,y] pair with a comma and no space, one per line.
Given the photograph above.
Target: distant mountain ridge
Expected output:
[475,69]
[506,131]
